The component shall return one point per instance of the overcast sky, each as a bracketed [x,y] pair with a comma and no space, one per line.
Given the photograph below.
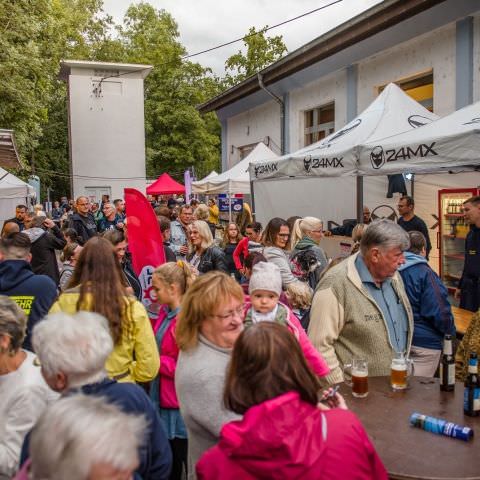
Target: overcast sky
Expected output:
[206,23]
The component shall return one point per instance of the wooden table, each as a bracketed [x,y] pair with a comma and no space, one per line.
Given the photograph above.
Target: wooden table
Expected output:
[412,453]
[462,319]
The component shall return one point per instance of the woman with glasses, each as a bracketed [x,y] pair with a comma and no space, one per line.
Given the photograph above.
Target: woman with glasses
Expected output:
[306,236]
[285,431]
[204,255]
[209,322]
[275,240]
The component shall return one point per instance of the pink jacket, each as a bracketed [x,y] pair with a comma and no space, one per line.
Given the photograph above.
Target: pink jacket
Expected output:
[287,438]
[315,360]
[168,362]
[241,249]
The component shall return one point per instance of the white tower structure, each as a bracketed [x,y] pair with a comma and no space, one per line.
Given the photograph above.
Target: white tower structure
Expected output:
[106,127]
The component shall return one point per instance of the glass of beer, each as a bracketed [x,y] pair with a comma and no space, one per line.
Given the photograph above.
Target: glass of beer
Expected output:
[359,373]
[401,369]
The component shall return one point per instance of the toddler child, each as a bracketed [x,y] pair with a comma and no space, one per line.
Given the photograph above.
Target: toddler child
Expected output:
[265,288]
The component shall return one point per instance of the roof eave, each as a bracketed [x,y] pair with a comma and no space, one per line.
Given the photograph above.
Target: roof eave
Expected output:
[371,22]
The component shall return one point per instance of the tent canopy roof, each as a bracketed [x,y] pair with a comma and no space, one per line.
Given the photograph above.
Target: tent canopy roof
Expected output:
[449,143]
[391,113]
[13,187]
[236,179]
[165,185]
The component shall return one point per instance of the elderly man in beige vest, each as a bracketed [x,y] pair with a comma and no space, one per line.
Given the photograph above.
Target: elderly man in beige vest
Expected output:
[360,308]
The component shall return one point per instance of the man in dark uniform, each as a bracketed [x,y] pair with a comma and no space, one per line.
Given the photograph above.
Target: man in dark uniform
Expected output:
[410,222]
[470,282]
[83,222]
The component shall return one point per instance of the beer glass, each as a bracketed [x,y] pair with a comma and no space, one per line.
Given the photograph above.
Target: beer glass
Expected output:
[401,369]
[359,374]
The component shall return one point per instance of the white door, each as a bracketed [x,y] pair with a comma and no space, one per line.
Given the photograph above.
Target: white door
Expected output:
[94,194]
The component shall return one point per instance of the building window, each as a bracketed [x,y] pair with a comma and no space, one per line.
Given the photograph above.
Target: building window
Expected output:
[419,87]
[319,123]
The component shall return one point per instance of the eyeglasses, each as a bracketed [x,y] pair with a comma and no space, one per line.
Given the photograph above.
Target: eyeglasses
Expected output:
[82,204]
[237,312]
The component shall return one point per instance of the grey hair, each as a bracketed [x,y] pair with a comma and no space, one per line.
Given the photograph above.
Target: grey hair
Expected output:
[80,431]
[384,234]
[76,345]
[13,322]
[201,212]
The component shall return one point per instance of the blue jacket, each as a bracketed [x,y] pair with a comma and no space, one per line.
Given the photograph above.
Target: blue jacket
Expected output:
[155,455]
[34,294]
[429,300]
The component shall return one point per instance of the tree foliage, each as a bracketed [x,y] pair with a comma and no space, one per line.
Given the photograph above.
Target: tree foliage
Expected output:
[261,51]
[36,35]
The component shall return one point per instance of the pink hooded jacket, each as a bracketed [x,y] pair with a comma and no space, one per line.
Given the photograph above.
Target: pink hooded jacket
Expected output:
[314,359]
[168,362]
[287,438]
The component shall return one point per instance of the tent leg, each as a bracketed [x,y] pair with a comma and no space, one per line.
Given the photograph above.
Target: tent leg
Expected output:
[229,208]
[360,199]
[412,186]
[252,200]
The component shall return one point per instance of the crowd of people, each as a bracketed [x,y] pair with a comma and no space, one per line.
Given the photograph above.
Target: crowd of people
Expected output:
[234,378]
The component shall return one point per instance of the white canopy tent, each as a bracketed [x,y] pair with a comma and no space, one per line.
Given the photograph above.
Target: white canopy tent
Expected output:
[199,186]
[236,179]
[451,143]
[13,191]
[307,174]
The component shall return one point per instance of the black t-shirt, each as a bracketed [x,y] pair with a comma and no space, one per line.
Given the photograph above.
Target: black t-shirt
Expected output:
[418,225]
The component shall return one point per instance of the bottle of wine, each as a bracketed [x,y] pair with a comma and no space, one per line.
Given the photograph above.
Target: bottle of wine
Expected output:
[447,366]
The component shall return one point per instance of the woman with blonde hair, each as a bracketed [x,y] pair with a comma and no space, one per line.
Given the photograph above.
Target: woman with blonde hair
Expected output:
[307,259]
[204,256]
[69,258]
[231,239]
[210,320]
[97,285]
[170,281]
[202,213]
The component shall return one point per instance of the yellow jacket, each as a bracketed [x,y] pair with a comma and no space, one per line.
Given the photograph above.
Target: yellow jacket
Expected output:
[138,342]
[213,214]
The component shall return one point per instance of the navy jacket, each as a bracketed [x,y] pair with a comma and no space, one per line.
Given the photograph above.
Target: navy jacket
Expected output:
[155,455]
[34,294]
[428,297]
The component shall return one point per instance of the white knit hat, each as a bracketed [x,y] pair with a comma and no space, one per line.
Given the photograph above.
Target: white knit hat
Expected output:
[265,276]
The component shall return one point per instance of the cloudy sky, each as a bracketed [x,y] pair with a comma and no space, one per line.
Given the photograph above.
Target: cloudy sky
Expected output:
[206,23]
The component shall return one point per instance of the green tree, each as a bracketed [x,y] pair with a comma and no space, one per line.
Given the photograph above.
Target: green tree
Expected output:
[261,51]
[177,137]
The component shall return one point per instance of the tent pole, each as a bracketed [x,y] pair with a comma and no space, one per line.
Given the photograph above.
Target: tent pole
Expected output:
[359,199]
[412,186]
[252,199]
[230,208]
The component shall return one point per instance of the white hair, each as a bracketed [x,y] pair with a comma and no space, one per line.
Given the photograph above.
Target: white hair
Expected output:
[13,322]
[80,431]
[384,234]
[302,226]
[76,345]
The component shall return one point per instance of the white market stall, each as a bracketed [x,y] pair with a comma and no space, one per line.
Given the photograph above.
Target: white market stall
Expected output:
[236,180]
[13,191]
[320,179]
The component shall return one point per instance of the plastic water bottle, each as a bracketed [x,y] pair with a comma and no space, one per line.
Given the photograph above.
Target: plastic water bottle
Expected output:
[441,427]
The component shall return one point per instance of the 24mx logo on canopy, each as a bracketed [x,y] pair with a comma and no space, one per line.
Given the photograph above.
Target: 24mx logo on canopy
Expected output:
[379,156]
[309,163]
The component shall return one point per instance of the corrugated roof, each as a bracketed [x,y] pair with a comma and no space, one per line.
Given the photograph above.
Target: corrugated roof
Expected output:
[8,150]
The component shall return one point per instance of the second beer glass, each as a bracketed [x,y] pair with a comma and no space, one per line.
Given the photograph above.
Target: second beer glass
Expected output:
[401,369]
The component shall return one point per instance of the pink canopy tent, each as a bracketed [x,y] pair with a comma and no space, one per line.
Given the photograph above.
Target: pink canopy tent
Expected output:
[165,185]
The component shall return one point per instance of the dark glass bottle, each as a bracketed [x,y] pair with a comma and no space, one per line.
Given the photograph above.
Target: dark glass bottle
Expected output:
[447,366]
[471,395]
